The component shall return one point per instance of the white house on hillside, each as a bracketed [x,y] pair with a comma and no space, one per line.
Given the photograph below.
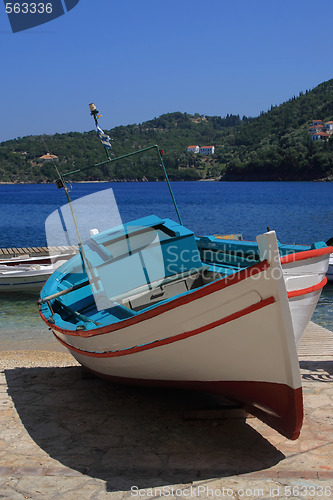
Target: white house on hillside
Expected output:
[320,136]
[316,128]
[207,150]
[193,149]
[321,131]
[329,127]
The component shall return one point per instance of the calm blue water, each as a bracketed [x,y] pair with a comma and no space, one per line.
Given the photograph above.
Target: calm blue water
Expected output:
[299,212]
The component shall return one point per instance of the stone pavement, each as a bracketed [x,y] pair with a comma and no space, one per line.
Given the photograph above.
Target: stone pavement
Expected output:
[63,436]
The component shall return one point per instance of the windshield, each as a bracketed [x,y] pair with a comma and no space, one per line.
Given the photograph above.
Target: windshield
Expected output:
[118,259]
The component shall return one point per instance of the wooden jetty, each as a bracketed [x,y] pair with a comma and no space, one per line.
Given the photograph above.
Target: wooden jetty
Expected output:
[317,342]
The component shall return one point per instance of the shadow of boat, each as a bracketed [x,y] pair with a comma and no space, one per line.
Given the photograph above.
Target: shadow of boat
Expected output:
[317,370]
[132,436]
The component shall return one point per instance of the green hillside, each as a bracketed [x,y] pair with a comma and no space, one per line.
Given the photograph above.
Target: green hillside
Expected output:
[19,158]
[277,144]
[274,146]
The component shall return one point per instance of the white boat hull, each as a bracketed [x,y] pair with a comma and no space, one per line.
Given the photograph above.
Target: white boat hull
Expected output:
[27,282]
[305,276]
[25,278]
[29,273]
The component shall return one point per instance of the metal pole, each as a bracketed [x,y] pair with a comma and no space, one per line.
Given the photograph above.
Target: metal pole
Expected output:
[110,160]
[169,185]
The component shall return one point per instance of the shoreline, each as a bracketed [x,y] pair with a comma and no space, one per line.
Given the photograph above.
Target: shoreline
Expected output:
[29,345]
[24,358]
[117,181]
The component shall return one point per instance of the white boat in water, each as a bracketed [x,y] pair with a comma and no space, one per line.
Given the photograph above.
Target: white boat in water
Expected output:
[28,274]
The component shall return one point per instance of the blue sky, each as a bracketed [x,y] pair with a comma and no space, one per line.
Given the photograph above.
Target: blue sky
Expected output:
[137,59]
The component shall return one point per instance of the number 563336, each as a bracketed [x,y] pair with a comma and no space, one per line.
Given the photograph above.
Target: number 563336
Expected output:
[28,8]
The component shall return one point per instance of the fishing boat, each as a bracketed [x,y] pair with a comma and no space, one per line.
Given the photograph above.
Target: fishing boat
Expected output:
[26,274]
[153,313]
[24,278]
[305,270]
[43,255]
[144,303]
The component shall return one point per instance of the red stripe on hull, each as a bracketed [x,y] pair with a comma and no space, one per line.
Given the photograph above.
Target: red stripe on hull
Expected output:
[175,338]
[310,289]
[307,254]
[278,405]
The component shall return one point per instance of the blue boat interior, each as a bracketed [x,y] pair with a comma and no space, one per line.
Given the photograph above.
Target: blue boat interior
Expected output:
[236,254]
[132,268]
[124,271]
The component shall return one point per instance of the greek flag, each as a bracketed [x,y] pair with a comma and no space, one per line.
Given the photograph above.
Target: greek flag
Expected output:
[105,139]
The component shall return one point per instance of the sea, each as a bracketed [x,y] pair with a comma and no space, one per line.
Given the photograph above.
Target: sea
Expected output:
[299,212]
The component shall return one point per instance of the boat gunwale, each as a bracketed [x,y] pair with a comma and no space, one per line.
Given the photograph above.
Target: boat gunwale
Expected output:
[306,254]
[168,305]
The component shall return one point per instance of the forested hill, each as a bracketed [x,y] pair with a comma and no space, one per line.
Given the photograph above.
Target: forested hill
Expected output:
[274,146]
[277,144]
